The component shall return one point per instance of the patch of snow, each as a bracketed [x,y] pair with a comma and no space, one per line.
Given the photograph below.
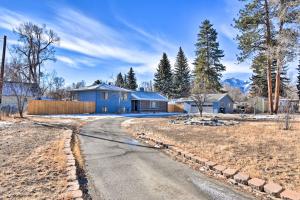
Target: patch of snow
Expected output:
[4,124]
[105,116]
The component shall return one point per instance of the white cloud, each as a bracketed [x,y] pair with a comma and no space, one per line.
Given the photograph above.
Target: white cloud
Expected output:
[157,42]
[228,31]
[76,62]
[233,67]
[82,34]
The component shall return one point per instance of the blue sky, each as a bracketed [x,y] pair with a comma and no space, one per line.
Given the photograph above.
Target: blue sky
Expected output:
[100,38]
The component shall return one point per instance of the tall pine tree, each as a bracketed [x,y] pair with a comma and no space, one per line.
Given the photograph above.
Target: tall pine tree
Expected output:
[208,56]
[163,77]
[125,81]
[120,81]
[257,36]
[131,80]
[298,80]
[259,85]
[181,77]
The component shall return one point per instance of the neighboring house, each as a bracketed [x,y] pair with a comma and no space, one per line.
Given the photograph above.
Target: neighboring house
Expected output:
[214,103]
[142,101]
[113,99]
[291,105]
[10,89]
[108,98]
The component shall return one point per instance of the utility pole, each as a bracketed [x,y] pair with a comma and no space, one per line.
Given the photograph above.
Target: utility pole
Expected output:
[2,68]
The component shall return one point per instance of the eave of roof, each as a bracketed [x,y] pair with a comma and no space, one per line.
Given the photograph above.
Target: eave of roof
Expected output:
[135,96]
[101,87]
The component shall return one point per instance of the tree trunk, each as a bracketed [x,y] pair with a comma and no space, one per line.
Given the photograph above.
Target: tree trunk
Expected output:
[270,92]
[277,88]
[269,67]
[279,63]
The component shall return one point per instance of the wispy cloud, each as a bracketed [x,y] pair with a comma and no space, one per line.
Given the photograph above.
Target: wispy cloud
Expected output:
[228,31]
[92,38]
[158,42]
[233,67]
[77,62]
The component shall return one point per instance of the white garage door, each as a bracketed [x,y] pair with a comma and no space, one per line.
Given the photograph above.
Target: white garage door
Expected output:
[208,109]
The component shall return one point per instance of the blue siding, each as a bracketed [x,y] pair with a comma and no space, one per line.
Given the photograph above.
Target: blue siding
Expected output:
[226,102]
[114,103]
[216,107]
[87,96]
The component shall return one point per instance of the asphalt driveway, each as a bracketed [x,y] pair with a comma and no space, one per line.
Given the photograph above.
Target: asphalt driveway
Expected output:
[119,167]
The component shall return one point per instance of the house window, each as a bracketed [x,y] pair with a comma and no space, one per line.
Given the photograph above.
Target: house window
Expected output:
[124,96]
[105,95]
[104,109]
[123,109]
[153,104]
[75,96]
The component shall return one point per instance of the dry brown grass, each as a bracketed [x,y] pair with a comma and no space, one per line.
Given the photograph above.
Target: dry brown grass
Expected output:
[32,162]
[257,148]
[77,152]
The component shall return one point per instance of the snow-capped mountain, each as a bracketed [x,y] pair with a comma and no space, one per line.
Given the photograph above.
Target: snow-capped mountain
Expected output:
[237,83]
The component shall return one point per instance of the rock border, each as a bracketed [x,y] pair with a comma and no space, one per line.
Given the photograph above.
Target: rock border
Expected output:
[73,190]
[258,187]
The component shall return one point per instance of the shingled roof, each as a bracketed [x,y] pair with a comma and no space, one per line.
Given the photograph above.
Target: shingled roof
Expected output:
[9,89]
[102,86]
[150,96]
[209,98]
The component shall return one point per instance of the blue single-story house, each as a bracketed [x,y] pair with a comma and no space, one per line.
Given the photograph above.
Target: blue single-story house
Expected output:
[112,99]
[142,101]
[214,103]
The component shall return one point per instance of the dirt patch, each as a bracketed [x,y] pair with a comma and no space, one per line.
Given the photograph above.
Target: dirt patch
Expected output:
[33,162]
[257,148]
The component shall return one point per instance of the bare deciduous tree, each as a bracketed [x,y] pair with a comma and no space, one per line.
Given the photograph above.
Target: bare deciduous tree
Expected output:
[35,48]
[19,85]
[199,92]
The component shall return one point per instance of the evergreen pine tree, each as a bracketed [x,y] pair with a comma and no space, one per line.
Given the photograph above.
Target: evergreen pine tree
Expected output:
[208,55]
[181,78]
[284,80]
[298,80]
[131,80]
[120,81]
[259,85]
[163,77]
[125,85]
[97,82]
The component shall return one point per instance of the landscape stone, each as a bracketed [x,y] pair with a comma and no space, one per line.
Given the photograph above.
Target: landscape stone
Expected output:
[210,164]
[257,183]
[229,173]
[241,178]
[201,161]
[77,194]
[290,195]
[273,189]
[219,168]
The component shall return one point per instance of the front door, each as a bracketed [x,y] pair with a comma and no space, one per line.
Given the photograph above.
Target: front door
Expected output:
[134,106]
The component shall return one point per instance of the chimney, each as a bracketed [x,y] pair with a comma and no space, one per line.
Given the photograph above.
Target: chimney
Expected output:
[142,89]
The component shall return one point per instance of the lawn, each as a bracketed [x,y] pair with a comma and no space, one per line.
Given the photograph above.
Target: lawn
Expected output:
[33,163]
[259,148]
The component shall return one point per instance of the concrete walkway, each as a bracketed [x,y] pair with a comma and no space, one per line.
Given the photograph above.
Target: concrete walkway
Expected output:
[119,167]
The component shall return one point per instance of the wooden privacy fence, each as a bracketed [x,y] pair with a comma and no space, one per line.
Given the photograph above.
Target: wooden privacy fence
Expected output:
[43,107]
[175,108]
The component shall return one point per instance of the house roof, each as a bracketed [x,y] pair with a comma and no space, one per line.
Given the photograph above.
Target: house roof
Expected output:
[9,89]
[102,86]
[151,96]
[210,98]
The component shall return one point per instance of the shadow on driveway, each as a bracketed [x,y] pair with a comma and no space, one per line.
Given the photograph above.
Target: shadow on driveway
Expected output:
[116,141]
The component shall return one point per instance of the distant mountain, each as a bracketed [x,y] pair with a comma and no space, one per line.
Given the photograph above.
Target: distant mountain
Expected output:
[244,86]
